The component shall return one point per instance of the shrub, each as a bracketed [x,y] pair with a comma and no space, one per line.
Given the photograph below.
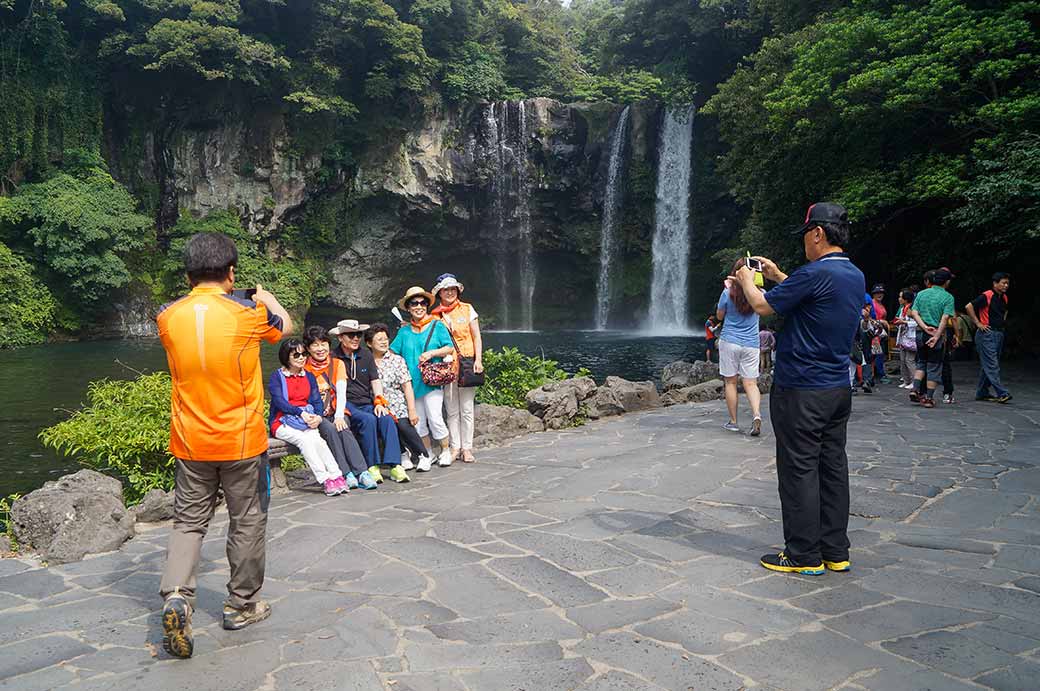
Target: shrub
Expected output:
[6,526]
[27,307]
[510,375]
[124,429]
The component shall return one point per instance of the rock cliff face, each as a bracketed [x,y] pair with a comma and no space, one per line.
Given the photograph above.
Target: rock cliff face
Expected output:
[507,195]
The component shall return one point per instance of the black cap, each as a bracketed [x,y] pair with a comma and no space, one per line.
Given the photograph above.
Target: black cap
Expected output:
[941,276]
[878,288]
[822,212]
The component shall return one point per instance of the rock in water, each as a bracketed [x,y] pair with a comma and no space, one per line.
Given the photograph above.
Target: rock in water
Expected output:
[154,507]
[681,374]
[494,424]
[78,514]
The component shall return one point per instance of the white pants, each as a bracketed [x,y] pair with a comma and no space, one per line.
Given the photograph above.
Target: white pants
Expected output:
[313,449]
[458,400]
[735,360]
[430,409]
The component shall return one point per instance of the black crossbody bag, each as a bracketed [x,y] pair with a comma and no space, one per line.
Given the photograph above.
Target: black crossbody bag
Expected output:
[467,377]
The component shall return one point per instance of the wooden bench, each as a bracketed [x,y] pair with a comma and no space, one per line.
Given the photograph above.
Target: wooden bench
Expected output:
[277,450]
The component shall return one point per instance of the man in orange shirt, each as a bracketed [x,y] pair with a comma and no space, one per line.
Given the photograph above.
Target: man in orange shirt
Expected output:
[217,433]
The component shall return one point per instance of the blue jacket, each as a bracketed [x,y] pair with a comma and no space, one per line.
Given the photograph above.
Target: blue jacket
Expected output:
[280,405]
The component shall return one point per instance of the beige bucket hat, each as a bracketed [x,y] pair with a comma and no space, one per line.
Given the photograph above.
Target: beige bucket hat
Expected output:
[411,293]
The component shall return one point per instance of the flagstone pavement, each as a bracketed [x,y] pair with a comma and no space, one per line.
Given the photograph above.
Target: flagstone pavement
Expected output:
[619,555]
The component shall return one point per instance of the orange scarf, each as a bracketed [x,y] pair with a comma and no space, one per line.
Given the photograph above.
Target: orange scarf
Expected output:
[425,320]
[443,309]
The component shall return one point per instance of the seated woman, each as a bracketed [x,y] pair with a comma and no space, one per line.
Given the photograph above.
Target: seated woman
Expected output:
[294,400]
[425,339]
[397,387]
[331,376]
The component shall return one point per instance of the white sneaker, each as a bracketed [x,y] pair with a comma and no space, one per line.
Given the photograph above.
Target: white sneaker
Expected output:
[444,460]
[406,461]
[425,463]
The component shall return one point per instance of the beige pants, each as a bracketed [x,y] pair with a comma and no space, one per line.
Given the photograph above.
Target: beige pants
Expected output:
[195,498]
[458,400]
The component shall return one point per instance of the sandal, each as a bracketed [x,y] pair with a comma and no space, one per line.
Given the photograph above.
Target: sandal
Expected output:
[467,456]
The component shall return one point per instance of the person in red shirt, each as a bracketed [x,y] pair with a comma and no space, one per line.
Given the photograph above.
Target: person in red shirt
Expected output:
[710,327]
[877,296]
[217,433]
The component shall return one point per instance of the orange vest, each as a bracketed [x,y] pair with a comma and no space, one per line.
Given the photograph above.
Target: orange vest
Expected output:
[458,321]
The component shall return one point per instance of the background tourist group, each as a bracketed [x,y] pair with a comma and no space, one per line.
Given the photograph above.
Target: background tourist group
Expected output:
[351,409]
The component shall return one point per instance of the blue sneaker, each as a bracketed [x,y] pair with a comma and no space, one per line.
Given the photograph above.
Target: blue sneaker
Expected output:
[352,482]
[366,481]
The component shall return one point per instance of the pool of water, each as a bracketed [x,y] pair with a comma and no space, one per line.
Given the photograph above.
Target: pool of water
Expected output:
[41,385]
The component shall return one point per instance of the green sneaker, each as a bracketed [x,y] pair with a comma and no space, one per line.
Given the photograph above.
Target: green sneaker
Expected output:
[397,474]
[374,472]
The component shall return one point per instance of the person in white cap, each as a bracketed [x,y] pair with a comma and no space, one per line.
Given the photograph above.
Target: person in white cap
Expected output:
[370,418]
[461,320]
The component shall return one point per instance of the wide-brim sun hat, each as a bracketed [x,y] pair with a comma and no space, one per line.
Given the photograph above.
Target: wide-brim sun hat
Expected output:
[411,293]
[447,281]
[347,326]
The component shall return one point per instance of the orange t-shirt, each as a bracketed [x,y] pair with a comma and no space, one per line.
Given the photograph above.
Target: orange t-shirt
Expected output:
[212,342]
[458,320]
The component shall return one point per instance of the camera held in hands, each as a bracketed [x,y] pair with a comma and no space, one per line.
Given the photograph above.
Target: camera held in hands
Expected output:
[756,266]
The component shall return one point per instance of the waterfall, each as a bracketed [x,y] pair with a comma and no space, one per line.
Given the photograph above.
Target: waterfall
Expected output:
[523,218]
[608,233]
[513,245]
[496,147]
[671,244]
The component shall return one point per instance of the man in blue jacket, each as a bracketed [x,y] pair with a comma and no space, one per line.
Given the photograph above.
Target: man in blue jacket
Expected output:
[810,401]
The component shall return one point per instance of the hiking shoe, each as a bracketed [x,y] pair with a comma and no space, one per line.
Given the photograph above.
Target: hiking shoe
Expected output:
[235,619]
[397,474]
[1006,398]
[406,462]
[445,459]
[351,480]
[927,402]
[425,463]
[373,470]
[948,398]
[366,481]
[731,427]
[781,562]
[837,565]
[344,488]
[756,427]
[331,488]
[176,625]
[867,389]
[915,397]
[988,399]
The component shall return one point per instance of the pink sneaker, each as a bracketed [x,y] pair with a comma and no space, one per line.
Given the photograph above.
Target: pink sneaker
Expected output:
[331,488]
[343,488]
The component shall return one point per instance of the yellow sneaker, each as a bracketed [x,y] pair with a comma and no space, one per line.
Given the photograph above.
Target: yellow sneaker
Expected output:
[781,562]
[374,472]
[837,565]
[397,474]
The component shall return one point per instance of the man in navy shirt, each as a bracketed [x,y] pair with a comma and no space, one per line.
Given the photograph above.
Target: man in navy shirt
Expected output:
[810,400]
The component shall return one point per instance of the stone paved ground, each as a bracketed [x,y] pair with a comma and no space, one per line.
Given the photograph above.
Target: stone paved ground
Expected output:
[621,555]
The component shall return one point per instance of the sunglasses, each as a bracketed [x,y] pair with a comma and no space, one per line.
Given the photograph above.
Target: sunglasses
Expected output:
[298,353]
[415,303]
[352,335]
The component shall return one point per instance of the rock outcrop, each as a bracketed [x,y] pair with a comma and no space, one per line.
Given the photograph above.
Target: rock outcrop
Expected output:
[682,374]
[558,403]
[711,390]
[494,424]
[155,506]
[78,514]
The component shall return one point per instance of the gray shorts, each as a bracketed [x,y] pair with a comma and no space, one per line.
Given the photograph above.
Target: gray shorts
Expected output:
[738,361]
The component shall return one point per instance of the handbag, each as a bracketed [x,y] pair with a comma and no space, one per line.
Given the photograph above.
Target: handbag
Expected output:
[436,373]
[467,377]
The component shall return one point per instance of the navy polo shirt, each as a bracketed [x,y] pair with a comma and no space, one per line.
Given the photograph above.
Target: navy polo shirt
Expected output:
[821,303]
